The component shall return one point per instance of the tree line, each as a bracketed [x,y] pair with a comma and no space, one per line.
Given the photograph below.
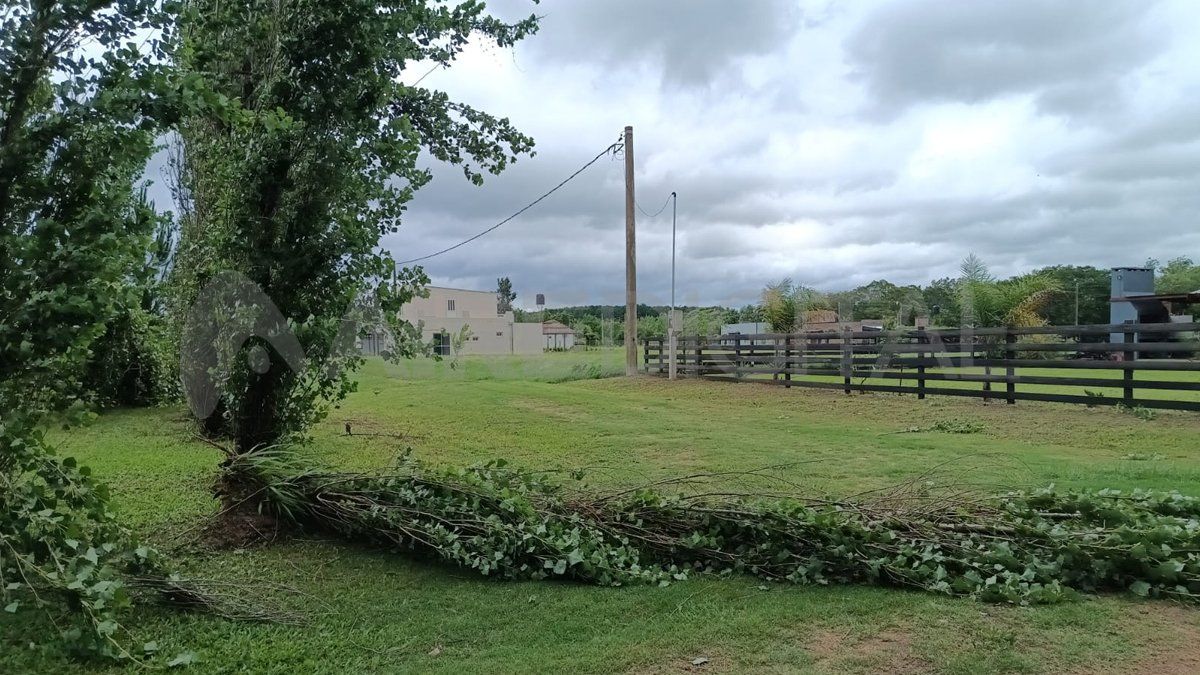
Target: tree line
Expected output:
[1053,295]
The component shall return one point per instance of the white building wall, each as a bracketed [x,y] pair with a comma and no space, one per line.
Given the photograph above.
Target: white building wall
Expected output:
[451,303]
[560,340]
[448,310]
[527,338]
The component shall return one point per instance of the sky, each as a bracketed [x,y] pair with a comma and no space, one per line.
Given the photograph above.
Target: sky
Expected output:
[830,142]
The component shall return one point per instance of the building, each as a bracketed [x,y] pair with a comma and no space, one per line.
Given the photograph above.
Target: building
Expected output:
[1133,300]
[558,335]
[452,313]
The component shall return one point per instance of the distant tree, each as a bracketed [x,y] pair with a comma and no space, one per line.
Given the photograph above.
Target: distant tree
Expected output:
[941,298]
[704,320]
[881,299]
[652,326]
[785,304]
[750,314]
[1179,275]
[587,330]
[505,295]
[1093,285]
[1020,301]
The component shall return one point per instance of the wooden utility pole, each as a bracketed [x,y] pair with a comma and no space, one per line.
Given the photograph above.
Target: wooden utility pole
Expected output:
[630,262]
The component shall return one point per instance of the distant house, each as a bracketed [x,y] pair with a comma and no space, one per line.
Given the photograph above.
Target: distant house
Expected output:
[443,315]
[557,335]
[746,328]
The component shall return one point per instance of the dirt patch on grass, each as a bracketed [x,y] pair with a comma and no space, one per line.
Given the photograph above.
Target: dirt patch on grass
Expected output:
[1181,654]
[885,651]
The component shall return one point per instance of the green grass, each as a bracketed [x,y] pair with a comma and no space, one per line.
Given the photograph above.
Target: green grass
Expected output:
[374,611]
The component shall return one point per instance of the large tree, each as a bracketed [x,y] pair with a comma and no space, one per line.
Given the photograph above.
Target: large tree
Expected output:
[292,185]
[82,94]
[1179,275]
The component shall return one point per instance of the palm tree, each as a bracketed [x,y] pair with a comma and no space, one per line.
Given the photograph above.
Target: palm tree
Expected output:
[784,304]
[1013,302]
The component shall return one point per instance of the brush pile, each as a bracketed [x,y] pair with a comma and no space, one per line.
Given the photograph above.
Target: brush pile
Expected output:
[1019,547]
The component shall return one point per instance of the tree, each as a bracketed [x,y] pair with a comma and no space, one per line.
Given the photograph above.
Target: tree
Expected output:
[1093,286]
[750,314]
[785,304]
[294,182]
[1020,301]
[1180,275]
[82,98]
[505,295]
[941,299]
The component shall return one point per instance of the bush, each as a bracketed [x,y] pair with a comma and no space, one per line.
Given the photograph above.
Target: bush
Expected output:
[133,363]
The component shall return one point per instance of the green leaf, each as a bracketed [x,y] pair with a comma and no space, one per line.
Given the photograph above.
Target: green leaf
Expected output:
[1140,588]
[11,607]
[182,660]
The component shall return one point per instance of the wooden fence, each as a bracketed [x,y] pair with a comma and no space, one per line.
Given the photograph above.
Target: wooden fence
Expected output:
[1148,365]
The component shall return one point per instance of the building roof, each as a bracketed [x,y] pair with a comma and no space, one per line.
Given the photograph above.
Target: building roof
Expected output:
[1194,296]
[556,328]
[460,290]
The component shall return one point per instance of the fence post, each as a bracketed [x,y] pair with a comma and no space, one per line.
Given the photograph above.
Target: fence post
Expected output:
[646,355]
[661,356]
[1128,358]
[787,361]
[921,340]
[737,356]
[699,355]
[847,358]
[1009,371]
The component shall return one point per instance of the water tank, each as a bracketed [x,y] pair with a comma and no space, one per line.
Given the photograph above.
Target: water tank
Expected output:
[1128,282]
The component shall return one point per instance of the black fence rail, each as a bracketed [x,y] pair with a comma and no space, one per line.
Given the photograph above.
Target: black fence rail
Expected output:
[1147,365]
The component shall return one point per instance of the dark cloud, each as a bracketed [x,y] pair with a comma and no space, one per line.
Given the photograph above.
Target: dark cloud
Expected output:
[832,143]
[1067,53]
[688,42]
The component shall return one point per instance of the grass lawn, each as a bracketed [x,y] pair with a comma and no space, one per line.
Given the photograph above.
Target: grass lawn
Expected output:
[374,611]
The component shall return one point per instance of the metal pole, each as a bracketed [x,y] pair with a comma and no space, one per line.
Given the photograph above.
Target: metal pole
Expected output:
[674,204]
[1076,302]
[630,262]
[672,328]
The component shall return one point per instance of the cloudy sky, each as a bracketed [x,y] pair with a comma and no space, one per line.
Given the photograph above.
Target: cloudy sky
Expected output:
[831,142]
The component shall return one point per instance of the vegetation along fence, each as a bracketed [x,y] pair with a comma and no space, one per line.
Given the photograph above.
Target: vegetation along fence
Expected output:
[1147,365]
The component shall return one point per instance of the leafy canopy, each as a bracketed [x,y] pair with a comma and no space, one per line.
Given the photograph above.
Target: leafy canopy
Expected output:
[76,128]
[312,160]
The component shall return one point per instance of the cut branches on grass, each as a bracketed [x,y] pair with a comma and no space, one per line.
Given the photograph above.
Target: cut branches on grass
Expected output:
[1029,547]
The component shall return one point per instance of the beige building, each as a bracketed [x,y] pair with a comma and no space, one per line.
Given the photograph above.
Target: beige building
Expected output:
[447,311]
[558,335]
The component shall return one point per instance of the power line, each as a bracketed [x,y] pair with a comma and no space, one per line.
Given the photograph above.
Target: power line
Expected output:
[528,206]
[660,209]
[427,74]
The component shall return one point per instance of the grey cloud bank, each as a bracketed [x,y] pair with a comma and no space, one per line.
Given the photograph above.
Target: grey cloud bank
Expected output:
[834,143]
